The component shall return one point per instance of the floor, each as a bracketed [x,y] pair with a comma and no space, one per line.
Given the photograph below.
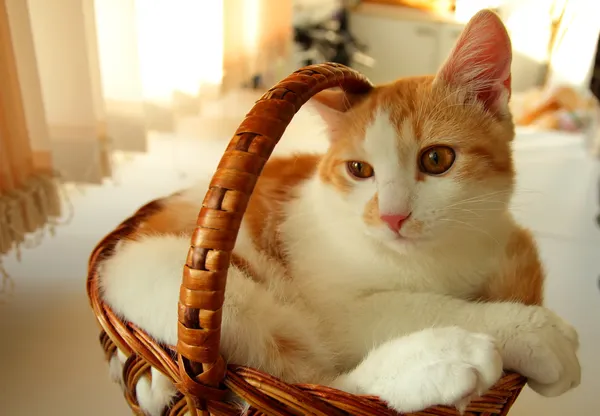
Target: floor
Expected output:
[50,359]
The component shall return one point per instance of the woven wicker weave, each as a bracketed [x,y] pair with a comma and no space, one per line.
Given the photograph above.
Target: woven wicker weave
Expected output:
[195,365]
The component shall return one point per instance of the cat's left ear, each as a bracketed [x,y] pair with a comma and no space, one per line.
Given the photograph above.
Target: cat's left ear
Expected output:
[332,105]
[480,62]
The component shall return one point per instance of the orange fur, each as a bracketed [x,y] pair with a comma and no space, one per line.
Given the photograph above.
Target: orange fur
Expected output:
[286,346]
[371,214]
[331,170]
[522,279]
[174,216]
[244,266]
[275,187]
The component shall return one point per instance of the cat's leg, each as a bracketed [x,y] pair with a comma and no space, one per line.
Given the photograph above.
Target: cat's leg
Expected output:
[438,366]
[532,340]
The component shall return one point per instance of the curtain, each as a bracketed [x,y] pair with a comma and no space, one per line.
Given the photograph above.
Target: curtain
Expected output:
[28,190]
[257,37]
[574,44]
[80,79]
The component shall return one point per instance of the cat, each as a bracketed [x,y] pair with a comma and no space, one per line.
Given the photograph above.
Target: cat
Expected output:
[390,265]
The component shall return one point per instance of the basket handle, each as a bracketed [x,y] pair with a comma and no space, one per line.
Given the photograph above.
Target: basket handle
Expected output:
[202,290]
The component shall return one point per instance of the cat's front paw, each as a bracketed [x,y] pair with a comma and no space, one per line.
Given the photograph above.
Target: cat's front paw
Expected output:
[439,366]
[542,347]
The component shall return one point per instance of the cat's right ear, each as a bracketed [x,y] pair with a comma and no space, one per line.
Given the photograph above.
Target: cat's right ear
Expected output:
[332,105]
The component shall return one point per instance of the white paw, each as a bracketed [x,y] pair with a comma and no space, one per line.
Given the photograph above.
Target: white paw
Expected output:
[155,394]
[439,366]
[543,348]
[115,368]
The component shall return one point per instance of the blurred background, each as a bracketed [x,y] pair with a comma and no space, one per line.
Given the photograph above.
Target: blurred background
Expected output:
[106,104]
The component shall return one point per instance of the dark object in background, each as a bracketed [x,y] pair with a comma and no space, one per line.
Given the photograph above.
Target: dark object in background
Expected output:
[331,41]
[256,82]
[327,40]
[595,81]
[595,88]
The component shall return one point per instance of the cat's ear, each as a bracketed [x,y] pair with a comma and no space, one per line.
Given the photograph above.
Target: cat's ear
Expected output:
[332,105]
[480,62]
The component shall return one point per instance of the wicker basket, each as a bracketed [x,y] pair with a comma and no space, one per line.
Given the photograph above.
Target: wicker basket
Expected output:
[195,365]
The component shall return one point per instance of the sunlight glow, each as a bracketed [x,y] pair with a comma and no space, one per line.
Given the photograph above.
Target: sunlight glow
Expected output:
[181,46]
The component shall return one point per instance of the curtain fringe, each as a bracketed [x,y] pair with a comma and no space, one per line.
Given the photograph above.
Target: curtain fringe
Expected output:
[5,235]
[24,211]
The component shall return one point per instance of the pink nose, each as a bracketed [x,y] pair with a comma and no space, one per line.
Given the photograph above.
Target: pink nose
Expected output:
[395,221]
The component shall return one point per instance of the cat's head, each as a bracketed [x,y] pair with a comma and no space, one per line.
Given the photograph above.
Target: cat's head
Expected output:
[426,157]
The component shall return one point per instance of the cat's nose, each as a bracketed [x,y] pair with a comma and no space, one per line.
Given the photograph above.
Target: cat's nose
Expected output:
[395,221]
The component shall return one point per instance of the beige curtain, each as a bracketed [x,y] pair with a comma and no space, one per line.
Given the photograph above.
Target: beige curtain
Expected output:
[82,78]
[28,190]
[257,36]
[574,44]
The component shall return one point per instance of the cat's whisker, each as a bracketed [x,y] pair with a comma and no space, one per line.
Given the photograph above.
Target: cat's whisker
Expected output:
[472,227]
[515,192]
[479,201]
[529,191]
[481,205]
[476,214]
[473,209]
[465,210]
[487,197]
[503,192]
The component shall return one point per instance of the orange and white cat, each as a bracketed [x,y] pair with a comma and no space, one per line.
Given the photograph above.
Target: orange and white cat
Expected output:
[390,265]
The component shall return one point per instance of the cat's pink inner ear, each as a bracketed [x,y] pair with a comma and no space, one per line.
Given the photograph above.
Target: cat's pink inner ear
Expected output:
[334,99]
[332,105]
[480,61]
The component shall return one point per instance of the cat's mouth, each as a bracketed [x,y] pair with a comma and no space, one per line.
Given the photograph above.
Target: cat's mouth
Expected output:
[403,239]
[402,245]
[398,238]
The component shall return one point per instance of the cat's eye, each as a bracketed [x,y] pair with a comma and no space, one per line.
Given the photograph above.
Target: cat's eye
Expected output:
[436,160]
[360,170]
